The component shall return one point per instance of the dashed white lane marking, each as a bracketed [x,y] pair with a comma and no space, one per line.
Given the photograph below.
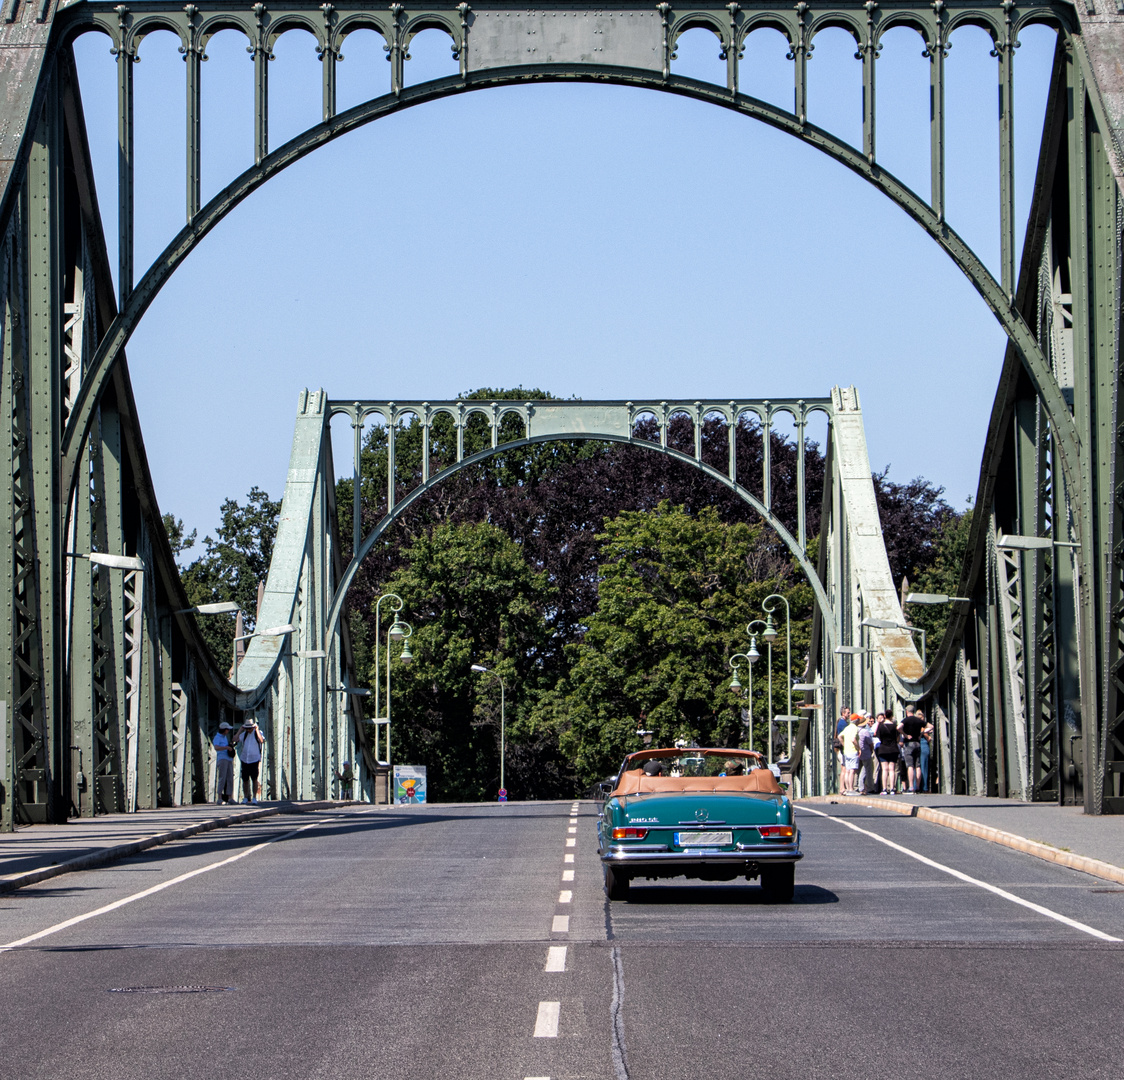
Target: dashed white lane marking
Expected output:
[567,858]
[571,842]
[565,896]
[546,1023]
[971,880]
[572,829]
[561,924]
[536,1078]
[567,875]
[555,958]
[150,891]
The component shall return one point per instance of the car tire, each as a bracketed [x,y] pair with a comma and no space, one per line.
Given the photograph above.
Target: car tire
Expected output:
[616,884]
[779,883]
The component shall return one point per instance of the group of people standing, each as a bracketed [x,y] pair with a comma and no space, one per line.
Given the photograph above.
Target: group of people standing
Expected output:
[248,745]
[880,753]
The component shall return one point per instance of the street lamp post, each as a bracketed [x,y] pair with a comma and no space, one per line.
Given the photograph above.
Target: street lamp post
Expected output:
[765,627]
[735,683]
[503,732]
[398,631]
[770,635]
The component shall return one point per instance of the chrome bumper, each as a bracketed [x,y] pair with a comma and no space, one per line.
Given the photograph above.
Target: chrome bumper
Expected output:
[653,856]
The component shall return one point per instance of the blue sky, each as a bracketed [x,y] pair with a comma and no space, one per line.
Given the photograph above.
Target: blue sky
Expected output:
[598,241]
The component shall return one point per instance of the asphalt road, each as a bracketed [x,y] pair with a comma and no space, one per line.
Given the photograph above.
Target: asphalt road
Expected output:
[476,942]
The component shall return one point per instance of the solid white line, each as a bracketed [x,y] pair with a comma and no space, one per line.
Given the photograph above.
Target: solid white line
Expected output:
[555,958]
[565,896]
[567,858]
[561,924]
[567,875]
[971,880]
[571,842]
[149,891]
[546,1023]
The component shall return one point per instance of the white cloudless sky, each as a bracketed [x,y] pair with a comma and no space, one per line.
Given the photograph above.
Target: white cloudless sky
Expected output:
[597,241]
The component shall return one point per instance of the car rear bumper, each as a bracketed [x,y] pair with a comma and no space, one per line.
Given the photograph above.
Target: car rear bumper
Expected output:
[632,857]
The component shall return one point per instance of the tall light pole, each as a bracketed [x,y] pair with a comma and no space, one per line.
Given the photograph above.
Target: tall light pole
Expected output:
[735,683]
[398,631]
[750,629]
[503,732]
[770,635]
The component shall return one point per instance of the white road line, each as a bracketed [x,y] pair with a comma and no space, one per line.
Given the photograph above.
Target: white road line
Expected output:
[571,842]
[567,875]
[572,829]
[970,880]
[555,958]
[149,892]
[567,858]
[565,896]
[573,821]
[546,1023]
[561,925]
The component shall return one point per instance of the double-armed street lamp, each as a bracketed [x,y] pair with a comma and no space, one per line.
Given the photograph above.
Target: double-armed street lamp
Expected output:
[482,670]
[735,683]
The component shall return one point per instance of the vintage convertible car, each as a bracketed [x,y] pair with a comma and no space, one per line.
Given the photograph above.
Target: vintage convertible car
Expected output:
[699,813]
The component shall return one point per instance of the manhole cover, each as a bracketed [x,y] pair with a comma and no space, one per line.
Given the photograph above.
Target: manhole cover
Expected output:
[170,989]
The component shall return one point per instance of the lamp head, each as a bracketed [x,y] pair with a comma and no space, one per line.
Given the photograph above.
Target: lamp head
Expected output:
[735,683]
[769,634]
[406,656]
[478,667]
[753,654]
[397,629]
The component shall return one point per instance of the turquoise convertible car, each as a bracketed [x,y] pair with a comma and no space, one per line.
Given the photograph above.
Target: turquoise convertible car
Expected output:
[712,814]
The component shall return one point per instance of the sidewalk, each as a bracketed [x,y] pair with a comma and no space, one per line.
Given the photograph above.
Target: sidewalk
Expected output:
[1059,834]
[38,852]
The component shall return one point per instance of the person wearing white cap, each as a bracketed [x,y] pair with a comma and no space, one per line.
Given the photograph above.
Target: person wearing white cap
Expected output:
[250,742]
[224,765]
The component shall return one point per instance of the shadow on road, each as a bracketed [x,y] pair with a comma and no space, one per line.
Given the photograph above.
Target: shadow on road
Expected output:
[742,895]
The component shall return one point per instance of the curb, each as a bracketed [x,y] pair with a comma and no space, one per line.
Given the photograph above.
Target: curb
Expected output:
[12,882]
[1086,865]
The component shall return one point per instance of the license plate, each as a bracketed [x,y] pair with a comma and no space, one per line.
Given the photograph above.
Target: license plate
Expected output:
[703,839]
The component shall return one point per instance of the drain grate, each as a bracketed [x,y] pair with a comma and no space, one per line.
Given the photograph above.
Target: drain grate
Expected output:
[170,989]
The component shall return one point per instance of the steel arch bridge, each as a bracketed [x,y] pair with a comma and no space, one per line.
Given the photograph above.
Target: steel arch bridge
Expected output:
[107,689]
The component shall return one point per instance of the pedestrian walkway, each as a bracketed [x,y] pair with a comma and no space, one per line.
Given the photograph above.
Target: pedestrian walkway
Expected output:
[37,852]
[1061,834]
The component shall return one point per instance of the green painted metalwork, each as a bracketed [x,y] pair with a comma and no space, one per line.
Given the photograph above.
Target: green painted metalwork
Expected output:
[1029,683]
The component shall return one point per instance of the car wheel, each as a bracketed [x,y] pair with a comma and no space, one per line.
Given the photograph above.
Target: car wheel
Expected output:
[779,882]
[616,884]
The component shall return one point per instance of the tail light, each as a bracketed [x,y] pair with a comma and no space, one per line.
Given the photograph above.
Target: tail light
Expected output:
[777,832]
[629,834]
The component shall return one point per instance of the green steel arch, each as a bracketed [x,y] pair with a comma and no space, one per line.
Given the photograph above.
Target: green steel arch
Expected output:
[934,30]
[770,519]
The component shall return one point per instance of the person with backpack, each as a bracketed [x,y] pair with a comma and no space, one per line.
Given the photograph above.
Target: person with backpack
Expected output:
[250,743]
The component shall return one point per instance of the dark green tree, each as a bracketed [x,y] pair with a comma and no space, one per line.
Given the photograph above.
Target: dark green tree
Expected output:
[232,566]
[941,575]
[675,595]
[471,598]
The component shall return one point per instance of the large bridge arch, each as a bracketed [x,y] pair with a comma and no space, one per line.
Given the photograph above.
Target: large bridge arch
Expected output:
[799,28]
[766,515]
